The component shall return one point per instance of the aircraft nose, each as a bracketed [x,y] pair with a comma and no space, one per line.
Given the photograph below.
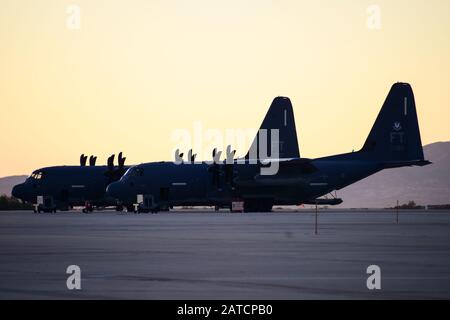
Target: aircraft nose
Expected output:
[113,190]
[18,191]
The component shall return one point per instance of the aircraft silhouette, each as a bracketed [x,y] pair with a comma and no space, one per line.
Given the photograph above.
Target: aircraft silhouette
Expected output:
[62,187]
[394,141]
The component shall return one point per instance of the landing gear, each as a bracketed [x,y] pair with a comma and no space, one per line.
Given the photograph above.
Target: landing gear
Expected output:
[39,209]
[88,208]
[47,210]
[64,207]
[153,210]
[146,203]
[44,204]
[258,205]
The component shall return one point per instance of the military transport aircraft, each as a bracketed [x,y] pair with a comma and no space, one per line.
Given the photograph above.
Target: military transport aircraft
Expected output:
[394,141]
[62,187]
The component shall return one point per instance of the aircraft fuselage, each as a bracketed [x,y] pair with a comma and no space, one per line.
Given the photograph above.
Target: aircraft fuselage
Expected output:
[195,184]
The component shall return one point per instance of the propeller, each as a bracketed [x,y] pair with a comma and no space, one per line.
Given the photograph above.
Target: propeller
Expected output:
[110,162]
[115,173]
[230,155]
[223,168]
[216,155]
[215,167]
[83,160]
[121,161]
[229,166]
[92,160]
[178,157]
[191,156]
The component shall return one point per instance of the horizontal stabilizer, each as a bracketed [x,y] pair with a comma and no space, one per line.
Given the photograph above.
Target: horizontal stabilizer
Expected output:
[398,164]
[324,202]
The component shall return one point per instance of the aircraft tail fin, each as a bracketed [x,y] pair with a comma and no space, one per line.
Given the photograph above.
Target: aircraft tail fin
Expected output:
[281,117]
[395,136]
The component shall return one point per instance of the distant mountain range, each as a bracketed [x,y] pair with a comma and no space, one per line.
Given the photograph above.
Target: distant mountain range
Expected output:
[7,183]
[423,185]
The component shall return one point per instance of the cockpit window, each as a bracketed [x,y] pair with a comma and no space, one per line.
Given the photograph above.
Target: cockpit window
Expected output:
[135,172]
[138,172]
[37,175]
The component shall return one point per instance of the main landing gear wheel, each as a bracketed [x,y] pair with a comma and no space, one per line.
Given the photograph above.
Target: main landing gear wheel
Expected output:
[88,208]
[258,205]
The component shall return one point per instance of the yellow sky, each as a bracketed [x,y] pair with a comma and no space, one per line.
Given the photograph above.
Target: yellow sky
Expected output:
[137,70]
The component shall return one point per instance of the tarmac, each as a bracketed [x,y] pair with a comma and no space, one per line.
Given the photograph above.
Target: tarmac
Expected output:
[221,255]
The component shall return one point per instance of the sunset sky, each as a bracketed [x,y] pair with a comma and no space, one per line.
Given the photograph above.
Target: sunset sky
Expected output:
[136,71]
